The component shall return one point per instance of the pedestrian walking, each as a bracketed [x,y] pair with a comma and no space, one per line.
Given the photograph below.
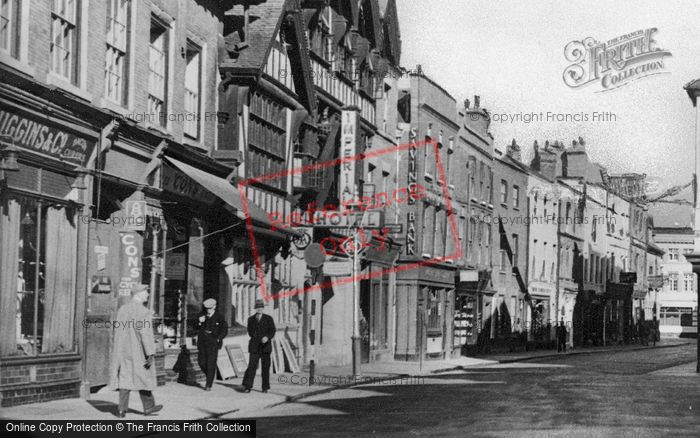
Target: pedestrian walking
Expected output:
[261,329]
[132,365]
[212,331]
[561,337]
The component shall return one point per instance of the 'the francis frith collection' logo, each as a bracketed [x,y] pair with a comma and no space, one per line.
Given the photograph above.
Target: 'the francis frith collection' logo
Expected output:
[615,62]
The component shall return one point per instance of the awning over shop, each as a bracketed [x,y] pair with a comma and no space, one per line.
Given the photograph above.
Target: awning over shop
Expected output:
[229,194]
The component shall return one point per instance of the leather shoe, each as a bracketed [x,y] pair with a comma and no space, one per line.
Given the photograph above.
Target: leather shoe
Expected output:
[208,388]
[121,414]
[246,390]
[153,410]
[265,391]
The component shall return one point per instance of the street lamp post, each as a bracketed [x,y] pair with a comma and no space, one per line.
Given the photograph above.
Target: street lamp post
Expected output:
[368,189]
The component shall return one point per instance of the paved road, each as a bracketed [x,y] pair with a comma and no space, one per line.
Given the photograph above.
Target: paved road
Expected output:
[635,393]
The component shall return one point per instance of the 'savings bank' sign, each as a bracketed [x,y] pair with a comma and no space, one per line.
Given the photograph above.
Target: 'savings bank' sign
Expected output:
[33,135]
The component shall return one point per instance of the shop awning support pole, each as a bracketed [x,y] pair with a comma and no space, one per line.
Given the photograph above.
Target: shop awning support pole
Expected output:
[694,260]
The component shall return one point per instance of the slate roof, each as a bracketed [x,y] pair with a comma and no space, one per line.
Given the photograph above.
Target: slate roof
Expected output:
[264,21]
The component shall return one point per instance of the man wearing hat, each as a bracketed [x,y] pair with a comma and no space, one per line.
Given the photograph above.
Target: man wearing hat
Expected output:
[132,366]
[261,329]
[212,331]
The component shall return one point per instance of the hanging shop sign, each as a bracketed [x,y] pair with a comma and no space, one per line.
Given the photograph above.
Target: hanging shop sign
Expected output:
[48,140]
[175,266]
[130,256]
[348,149]
[135,218]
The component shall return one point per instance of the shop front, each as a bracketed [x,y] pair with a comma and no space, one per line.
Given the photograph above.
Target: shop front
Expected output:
[424,307]
[377,301]
[618,313]
[539,323]
[472,296]
[42,198]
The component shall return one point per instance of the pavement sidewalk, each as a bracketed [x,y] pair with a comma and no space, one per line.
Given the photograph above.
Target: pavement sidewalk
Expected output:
[190,402]
[543,354]
[182,402]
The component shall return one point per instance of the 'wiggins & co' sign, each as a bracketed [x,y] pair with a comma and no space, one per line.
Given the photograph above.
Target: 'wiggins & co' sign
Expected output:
[30,134]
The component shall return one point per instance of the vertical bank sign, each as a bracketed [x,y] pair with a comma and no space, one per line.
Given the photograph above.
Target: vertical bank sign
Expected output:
[348,150]
[411,215]
[615,62]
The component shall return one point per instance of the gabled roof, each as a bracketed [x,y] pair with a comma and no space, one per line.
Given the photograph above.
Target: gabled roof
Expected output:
[390,27]
[375,22]
[265,22]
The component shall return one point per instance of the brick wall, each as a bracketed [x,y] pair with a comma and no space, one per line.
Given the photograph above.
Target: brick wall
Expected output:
[36,382]
[198,20]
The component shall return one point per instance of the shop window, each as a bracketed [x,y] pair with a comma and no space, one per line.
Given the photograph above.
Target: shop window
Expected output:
[116,50]
[433,313]
[64,39]
[464,320]
[676,316]
[38,254]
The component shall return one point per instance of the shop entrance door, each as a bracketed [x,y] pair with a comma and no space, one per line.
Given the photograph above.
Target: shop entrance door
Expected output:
[102,301]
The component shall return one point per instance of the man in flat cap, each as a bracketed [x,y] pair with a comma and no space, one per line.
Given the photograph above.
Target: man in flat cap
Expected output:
[261,329]
[132,366]
[212,331]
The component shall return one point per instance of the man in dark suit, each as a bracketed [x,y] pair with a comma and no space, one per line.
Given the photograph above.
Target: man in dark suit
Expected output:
[212,331]
[261,329]
[561,337]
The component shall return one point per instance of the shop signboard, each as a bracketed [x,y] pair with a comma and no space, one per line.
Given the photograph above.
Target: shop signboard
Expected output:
[38,136]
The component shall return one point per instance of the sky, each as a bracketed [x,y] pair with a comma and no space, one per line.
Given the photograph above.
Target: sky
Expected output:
[511,54]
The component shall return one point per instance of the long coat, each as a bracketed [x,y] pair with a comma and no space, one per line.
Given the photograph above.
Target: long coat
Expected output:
[133,343]
[258,330]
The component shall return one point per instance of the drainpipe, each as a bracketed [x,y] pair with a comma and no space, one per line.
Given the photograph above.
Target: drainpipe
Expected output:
[556,290]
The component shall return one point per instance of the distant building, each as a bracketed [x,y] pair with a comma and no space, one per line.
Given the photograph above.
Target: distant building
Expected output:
[677,300]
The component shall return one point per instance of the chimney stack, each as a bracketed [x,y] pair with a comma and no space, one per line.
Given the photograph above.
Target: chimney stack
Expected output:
[513,151]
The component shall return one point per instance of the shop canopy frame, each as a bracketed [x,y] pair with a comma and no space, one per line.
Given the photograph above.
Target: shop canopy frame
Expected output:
[225,191]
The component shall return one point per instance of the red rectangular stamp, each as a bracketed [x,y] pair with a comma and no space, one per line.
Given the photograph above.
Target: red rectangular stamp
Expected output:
[357,214]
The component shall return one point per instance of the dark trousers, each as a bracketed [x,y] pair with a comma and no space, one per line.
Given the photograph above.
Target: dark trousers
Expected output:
[146,398]
[561,344]
[206,356]
[253,366]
